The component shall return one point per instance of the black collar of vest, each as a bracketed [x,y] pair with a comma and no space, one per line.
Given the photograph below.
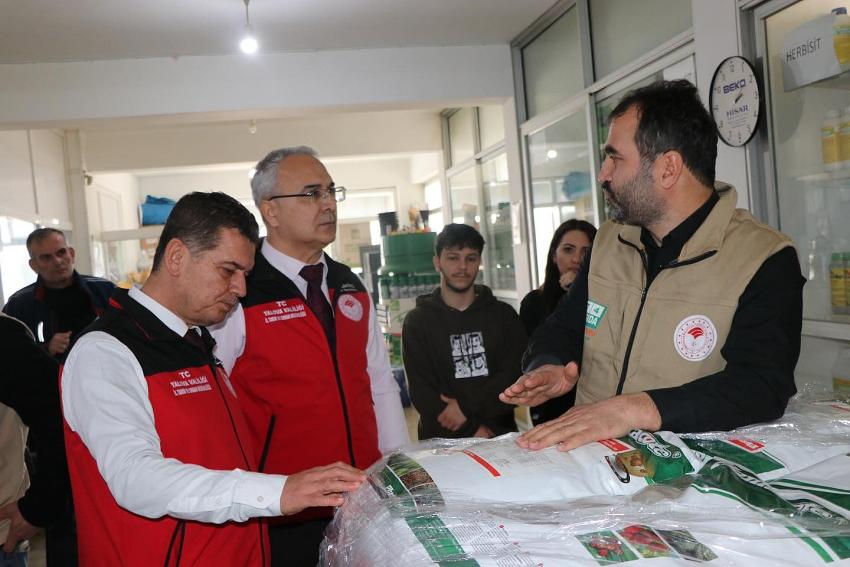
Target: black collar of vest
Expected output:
[701,233]
[145,322]
[339,276]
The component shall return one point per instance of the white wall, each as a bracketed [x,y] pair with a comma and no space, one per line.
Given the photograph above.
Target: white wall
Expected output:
[106,190]
[67,93]
[716,37]
[330,134]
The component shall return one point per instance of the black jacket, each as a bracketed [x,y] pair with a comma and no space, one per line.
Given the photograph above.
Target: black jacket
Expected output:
[28,305]
[29,384]
[469,355]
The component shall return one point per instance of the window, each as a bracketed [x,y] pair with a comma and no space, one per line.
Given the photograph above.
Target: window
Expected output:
[497,223]
[434,204]
[561,180]
[552,65]
[461,136]
[15,272]
[614,25]
[491,121]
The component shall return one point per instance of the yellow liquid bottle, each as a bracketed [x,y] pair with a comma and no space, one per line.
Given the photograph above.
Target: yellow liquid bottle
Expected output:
[841,35]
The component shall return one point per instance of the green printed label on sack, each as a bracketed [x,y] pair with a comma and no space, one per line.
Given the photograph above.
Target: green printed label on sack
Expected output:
[405,478]
[653,458]
[728,480]
[595,312]
[747,453]
[439,541]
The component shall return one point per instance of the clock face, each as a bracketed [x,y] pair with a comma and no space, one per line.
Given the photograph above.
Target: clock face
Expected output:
[735,101]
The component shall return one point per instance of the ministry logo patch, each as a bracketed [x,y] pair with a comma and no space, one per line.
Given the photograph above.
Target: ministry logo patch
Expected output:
[350,307]
[695,338]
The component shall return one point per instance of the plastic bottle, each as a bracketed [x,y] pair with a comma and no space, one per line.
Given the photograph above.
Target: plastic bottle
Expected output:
[829,140]
[384,286]
[841,372]
[844,138]
[395,288]
[847,282]
[838,283]
[841,35]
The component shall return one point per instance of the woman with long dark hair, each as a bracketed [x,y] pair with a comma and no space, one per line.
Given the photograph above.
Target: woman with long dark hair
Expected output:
[568,248]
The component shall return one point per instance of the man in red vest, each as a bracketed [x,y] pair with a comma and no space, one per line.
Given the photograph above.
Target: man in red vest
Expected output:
[161,469]
[309,362]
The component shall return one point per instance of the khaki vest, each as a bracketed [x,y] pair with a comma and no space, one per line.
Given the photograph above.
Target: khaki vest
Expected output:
[687,312]
[14,480]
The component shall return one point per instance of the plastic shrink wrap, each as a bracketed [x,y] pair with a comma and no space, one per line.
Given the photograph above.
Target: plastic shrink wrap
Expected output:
[771,494]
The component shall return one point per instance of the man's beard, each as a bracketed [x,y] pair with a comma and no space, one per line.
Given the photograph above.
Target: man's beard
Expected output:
[634,202]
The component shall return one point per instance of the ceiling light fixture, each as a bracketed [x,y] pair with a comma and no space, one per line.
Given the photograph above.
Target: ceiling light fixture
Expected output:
[249,44]
[552,154]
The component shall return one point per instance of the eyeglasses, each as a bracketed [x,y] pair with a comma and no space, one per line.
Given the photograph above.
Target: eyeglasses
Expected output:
[316,195]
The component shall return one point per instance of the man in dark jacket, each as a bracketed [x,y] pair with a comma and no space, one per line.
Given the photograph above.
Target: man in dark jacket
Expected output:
[28,385]
[461,346]
[61,302]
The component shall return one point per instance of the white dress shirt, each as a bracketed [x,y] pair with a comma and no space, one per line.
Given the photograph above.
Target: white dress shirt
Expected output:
[105,400]
[230,344]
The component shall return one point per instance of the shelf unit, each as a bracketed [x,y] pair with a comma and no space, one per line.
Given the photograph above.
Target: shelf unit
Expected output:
[150,231]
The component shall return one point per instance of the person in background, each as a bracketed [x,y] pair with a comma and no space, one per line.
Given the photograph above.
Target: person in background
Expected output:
[686,316]
[461,346]
[309,361]
[29,399]
[56,308]
[61,302]
[570,244]
[161,467]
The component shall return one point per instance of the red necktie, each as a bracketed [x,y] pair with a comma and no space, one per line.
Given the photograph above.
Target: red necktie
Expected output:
[316,299]
[196,340]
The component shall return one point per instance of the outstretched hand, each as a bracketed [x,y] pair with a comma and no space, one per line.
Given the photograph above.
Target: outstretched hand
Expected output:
[541,384]
[587,423]
[319,486]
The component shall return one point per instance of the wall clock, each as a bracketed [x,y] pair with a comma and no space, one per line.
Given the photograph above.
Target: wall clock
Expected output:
[735,100]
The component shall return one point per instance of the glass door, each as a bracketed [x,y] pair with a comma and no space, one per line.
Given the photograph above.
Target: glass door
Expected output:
[812,181]
[807,166]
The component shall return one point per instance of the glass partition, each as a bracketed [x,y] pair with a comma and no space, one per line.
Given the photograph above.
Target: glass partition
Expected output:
[466,200]
[15,271]
[552,65]
[812,166]
[461,135]
[561,180]
[497,223]
[623,30]
[491,123]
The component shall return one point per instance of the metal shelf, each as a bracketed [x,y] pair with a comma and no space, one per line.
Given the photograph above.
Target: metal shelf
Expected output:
[151,231]
[827,329]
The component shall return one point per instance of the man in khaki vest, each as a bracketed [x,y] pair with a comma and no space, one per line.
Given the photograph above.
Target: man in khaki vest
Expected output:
[687,314]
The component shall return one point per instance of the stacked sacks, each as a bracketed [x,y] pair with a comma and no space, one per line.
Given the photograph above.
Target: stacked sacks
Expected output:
[635,499]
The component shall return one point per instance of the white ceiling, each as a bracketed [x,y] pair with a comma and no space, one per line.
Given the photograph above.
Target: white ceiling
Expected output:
[39,31]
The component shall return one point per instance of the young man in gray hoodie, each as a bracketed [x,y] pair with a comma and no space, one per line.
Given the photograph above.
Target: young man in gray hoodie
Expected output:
[461,346]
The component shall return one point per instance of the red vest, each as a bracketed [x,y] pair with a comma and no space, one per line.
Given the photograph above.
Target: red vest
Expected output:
[307,399]
[198,421]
